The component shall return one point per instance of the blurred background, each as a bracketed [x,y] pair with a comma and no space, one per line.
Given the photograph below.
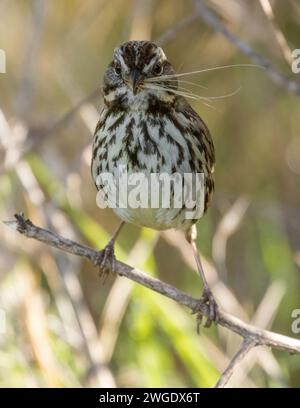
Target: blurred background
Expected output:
[63,326]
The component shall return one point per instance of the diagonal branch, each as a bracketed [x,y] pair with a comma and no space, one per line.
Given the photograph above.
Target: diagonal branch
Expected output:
[280,38]
[216,24]
[247,344]
[171,34]
[61,122]
[247,331]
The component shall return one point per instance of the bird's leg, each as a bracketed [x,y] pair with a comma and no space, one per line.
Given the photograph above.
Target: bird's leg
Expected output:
[207,296]
[105,258]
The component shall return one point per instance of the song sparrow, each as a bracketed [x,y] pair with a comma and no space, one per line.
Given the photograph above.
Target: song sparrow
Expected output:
[148,126]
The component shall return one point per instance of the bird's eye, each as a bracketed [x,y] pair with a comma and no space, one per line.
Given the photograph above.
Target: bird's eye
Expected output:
[158,68]
[118,69]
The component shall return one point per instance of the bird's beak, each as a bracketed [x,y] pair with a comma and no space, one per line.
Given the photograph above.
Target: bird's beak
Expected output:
[136,78]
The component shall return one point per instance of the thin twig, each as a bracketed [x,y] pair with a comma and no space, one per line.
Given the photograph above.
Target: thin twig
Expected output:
[260,336]
[62,121]
[247,344]
[228,225]
[280,38]
[216,24]
[29,66]
[171,34]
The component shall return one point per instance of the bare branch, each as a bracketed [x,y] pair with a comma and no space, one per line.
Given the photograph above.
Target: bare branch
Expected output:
[259,336]
[216,24]
[280,38]
[228,225]
[171,34]
[62,121]
[29,66]
[247,344]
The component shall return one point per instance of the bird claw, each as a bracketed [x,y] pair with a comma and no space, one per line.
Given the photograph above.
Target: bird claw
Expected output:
[207,299]
[106,261]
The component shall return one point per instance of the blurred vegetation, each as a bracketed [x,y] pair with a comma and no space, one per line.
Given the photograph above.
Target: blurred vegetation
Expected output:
[64,327]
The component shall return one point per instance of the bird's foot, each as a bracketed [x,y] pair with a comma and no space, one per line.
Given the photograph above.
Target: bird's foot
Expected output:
[207,299]
[106,261]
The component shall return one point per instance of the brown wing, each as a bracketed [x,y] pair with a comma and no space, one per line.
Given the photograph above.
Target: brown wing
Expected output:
[202,143]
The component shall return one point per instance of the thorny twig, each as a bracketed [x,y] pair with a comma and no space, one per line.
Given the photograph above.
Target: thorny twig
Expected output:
[252,335]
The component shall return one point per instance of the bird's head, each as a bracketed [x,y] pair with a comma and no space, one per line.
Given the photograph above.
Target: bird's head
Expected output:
[139,69]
